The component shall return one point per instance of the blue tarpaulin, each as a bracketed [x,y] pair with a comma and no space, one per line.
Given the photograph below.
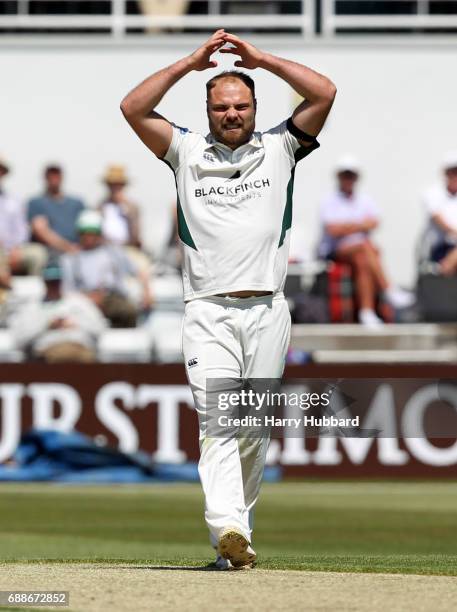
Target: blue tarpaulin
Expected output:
[44,455]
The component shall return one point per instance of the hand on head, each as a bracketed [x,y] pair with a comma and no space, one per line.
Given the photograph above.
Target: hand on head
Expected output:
[201,57]
[250,55]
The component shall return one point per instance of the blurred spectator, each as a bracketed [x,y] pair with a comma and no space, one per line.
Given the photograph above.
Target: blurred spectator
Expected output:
[53,215]
[348,218]
[172,254]
[441,203]
[16,255]
[121,219]
[60,328]
[100,272]
[163,7]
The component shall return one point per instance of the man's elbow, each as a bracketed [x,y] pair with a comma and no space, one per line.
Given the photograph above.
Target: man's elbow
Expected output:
[129,107]
[333,231]
[36,230]
[125,107]
[331,90]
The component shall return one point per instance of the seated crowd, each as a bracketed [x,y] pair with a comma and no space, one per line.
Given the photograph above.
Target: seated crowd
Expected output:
[87,257]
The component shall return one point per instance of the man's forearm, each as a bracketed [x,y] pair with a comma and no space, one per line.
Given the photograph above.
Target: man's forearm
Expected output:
[443,225]
[306,82]
[339,230]
[52,239]
[147,95]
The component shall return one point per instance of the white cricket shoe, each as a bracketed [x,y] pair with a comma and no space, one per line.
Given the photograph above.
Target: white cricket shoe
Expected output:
[235,547]
[222,564]
[370,319]
[399,298]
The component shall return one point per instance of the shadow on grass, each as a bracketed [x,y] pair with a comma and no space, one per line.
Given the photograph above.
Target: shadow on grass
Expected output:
[187,568]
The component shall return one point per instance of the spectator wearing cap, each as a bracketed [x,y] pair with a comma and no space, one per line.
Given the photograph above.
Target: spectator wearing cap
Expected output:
[60,328]
[100,271]
[348,219]
[53,214]
[441,203]
[121,224]
[17,256]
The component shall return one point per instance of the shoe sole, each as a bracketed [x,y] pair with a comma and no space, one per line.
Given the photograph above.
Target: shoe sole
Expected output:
[233,546]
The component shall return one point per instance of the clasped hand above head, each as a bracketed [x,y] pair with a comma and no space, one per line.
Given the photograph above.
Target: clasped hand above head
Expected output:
[250,56]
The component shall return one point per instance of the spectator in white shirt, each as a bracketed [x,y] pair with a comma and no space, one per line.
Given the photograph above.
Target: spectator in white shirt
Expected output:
[441,203]
[16,254]
[348,219]
[59,328]
[100,271]
[121,219]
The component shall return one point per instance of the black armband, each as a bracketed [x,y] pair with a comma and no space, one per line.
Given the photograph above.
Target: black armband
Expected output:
[299,134]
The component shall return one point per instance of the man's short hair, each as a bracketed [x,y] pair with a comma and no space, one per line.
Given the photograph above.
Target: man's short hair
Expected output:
[53,169]
[231,74]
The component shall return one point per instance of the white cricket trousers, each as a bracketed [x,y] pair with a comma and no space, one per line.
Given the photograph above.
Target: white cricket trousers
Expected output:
[225,337]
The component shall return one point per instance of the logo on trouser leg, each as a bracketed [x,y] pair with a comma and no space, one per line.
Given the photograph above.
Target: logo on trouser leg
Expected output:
[192,362]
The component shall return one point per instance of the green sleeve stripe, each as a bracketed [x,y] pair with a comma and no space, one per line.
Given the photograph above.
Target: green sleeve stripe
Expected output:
[287,216]
[183,229]
[300,153]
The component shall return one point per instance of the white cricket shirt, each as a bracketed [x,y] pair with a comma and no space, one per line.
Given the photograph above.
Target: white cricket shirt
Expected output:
[337,207]
[234,209]
[439,201]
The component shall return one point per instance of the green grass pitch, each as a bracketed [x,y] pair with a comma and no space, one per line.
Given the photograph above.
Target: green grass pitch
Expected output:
[402,527]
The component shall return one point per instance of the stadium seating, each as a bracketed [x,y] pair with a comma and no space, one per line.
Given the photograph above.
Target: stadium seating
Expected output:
[9,353]
[147,17]
[124,346]
[398,343]
[28,288]
[164,330]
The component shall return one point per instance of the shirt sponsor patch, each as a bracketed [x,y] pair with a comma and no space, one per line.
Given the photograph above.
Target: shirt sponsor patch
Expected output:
[227,190]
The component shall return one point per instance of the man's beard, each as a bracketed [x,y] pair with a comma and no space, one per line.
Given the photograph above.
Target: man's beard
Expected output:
[239,135]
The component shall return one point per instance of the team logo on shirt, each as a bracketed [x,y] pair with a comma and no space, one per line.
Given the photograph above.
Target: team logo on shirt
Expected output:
[227,190]
[192,362]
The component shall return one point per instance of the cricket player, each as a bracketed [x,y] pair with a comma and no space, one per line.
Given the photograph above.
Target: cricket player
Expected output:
[234,218]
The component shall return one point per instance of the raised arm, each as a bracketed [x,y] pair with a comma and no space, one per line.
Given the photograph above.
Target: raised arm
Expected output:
[318,91]
[138,106]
